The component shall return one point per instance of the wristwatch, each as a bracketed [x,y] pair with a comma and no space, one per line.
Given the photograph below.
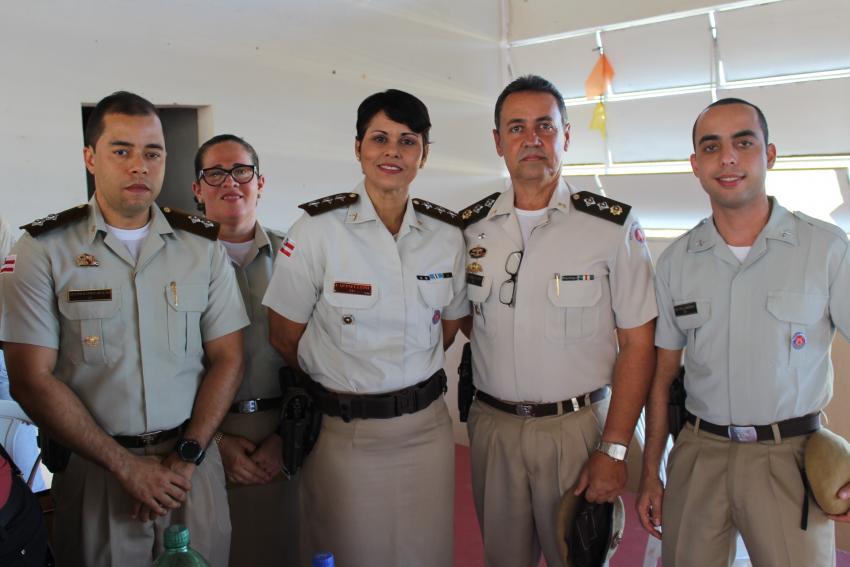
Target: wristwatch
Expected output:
[190,451]
[616,451]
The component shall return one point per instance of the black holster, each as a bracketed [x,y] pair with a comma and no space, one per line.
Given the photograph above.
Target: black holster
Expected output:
[465,387]
[300,421]
[54,455]
[677,415]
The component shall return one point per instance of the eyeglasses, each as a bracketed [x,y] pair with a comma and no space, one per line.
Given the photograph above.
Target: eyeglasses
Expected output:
[507,292]
[215,176]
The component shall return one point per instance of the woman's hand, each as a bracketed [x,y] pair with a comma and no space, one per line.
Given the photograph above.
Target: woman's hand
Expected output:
[239,468]
[269,456]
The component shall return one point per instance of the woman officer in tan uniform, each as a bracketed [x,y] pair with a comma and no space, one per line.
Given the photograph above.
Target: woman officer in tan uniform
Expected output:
[366,291]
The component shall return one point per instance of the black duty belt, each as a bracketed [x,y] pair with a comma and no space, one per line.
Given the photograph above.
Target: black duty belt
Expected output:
[543,410]
[253,406]
[379,406]
[148,439]
[793,427]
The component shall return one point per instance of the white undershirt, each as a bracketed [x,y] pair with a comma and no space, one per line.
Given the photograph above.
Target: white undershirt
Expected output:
[740,252]
[238,251]
[132,238]
[527,221]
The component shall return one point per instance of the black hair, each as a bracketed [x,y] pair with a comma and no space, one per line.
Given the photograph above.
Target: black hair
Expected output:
[221,138]
[534,83]
[120,102]
[724,102]
[400,107]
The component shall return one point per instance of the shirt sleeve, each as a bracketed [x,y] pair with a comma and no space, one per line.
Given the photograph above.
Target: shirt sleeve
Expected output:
[667,333]
[29,314]
[839,295]
[225,312]
[298,276]
[459,307]
[632,279]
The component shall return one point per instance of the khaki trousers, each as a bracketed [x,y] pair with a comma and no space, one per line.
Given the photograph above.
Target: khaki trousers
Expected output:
[264,517]
[717,488]
[521,468]
[380,492]
[93,528]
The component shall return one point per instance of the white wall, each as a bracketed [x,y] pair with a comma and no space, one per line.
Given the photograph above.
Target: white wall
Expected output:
[287,76]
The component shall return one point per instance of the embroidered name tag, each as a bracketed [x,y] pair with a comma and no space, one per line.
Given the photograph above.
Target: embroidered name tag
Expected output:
[436,276]
[353,288]
[685,309]
[89,295]
[474,279]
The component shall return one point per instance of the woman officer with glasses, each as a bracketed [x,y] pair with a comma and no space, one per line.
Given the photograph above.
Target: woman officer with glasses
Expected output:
[364,297]
[262,502]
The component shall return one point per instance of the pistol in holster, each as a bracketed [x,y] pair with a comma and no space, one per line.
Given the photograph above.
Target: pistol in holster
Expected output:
[465,387]
[677,415]
[54,455]
[300,421]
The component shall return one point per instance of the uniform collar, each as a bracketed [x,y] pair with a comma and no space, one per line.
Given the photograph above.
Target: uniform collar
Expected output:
[363,211]
[261,240]
[97,223]
[559,201]
[780,226]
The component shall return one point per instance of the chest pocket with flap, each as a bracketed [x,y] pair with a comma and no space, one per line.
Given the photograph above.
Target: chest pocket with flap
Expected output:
[186,303]
[573,310]
[94,326]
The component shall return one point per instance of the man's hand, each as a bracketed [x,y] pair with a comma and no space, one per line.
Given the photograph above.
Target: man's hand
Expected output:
[603,477]
[155,488]
[648,505]
[238,467]
[843,494]
[269,456]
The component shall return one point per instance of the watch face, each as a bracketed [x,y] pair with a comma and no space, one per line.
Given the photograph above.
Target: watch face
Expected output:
[189,450]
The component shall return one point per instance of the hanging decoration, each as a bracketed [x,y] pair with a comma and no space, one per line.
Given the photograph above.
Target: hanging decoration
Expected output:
[596,86]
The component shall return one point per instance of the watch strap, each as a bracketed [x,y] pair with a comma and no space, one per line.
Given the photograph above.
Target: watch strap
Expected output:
[616,451]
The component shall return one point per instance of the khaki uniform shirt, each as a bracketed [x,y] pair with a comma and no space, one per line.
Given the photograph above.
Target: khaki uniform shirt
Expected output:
[262,361]
[129,334]
[558,340]
[758,334]
[373,304]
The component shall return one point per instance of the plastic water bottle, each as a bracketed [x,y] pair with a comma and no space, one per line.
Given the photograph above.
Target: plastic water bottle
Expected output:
[177,551]
[323,559]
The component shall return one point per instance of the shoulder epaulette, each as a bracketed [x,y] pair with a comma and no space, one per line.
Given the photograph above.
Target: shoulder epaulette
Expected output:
[601,207]
[437,212]
[329,203]
[478,210]
[191,223]
[48,223]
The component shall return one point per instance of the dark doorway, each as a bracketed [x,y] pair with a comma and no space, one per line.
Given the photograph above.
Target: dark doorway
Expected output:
[181,141]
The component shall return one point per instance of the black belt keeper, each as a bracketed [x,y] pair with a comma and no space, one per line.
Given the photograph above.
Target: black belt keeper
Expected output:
[379,406]
[793,427]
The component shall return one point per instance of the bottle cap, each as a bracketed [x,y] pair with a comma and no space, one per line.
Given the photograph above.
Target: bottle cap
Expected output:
[323,559]
[176,536]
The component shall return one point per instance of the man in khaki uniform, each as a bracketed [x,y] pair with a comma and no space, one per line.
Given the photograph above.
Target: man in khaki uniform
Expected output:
[559,280]
[109,309]
[754,295]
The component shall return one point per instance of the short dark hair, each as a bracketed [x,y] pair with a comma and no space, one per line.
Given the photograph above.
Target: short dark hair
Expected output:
[724,102]
[119,102]
[534,83]
[399,106]
[221,138]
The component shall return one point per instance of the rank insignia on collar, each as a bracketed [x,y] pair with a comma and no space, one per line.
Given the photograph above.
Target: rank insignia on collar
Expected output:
[86,261]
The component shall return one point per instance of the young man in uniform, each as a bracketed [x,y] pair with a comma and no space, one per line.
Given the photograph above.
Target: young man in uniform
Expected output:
[109,309]
[560,282]
[754,295]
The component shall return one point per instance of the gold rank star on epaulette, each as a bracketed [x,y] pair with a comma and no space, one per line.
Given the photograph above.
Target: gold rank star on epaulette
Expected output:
[437,212]
[329,203]
[48,223]
[201,226]
[601,207]
[478,210]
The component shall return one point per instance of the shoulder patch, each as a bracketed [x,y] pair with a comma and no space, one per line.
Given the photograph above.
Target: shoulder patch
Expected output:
[329,203]
[602,207]
[437,212]
[478,210]
[48,223]
[191,223]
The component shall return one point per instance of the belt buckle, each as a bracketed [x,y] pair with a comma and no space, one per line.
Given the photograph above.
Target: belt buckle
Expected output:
[248,406]
[743,433]
[147,439]
[525,410]
[575,404]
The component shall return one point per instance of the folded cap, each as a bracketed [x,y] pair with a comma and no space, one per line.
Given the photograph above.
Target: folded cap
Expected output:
[827,463]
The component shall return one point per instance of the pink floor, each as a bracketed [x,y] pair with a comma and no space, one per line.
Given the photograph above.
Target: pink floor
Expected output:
[468,547]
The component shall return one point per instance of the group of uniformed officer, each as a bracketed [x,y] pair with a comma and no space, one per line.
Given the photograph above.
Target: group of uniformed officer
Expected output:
[148,353]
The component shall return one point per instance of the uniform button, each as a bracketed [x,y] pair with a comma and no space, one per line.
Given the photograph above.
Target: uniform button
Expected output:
[347,319]
[92,340]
